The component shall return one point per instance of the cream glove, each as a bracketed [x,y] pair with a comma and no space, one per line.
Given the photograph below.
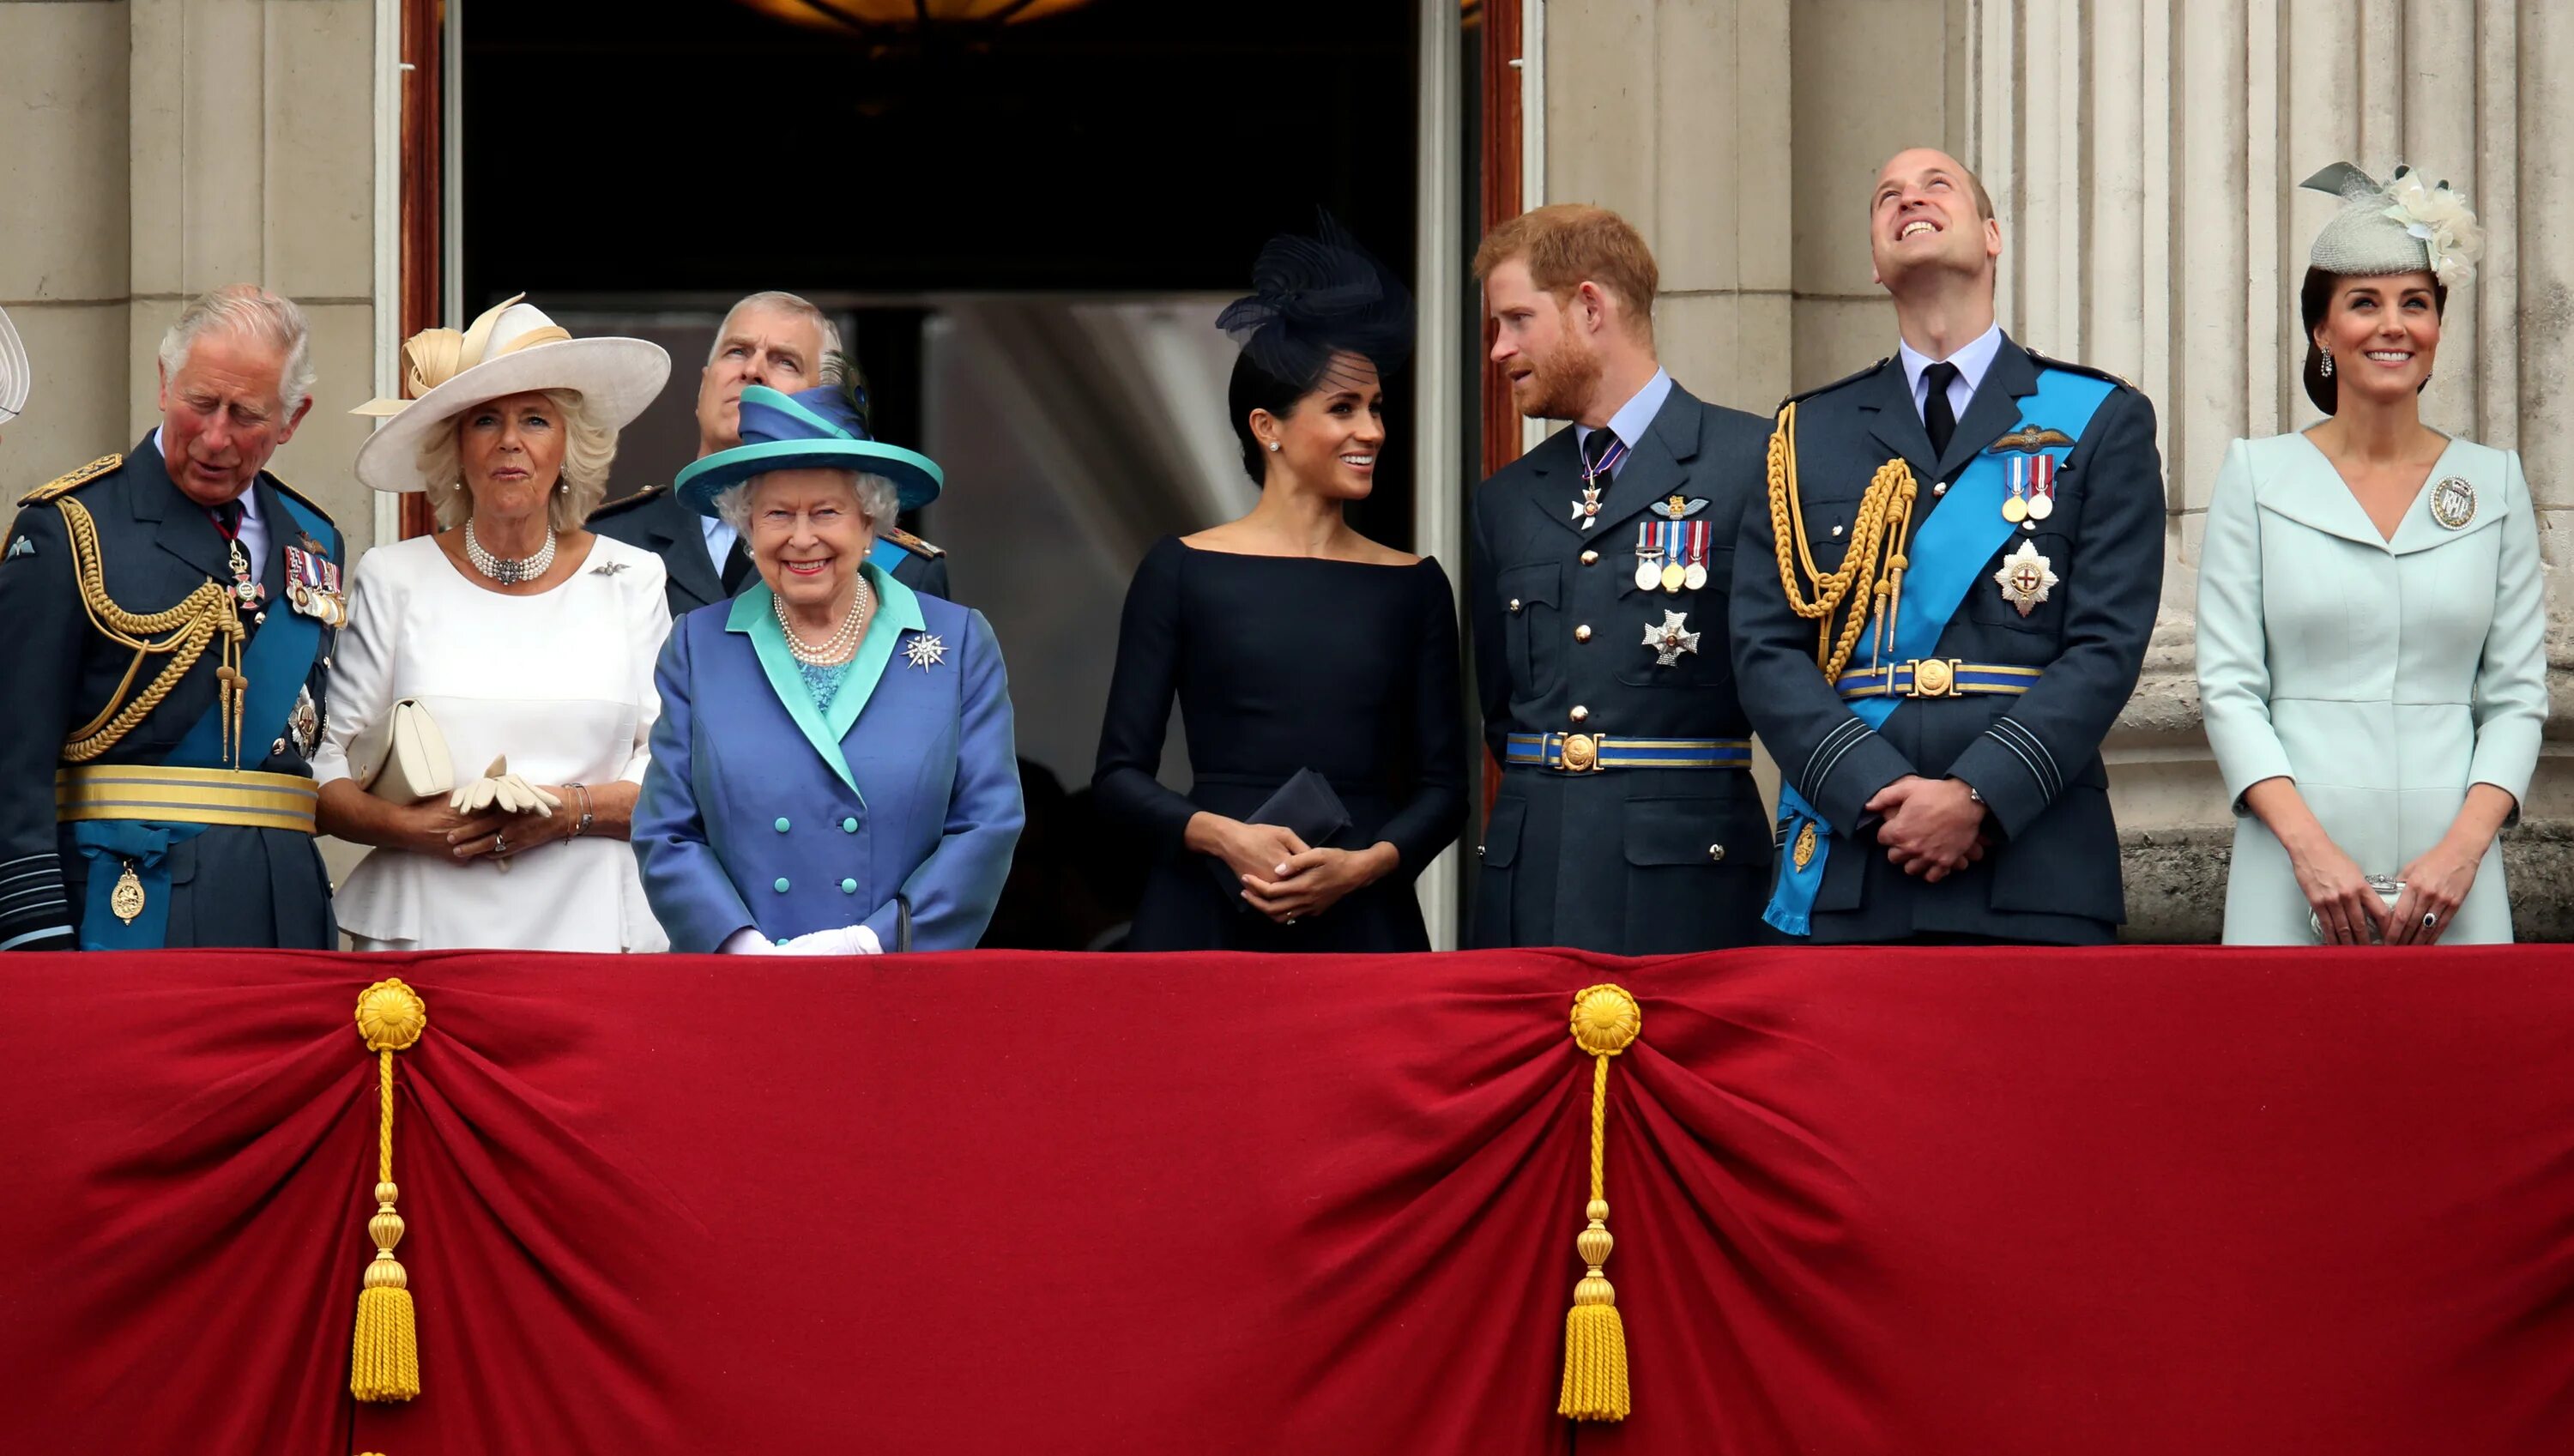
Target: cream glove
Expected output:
[500,789]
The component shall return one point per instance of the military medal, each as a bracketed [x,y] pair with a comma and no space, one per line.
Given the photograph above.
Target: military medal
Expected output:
[1670,638]
[313,587]
[2016,504]
[2024,577]
[1649,555]
[1696,578]
[1674,573]
[126,901]
[1587,510]
[2041,488]
[2453,503]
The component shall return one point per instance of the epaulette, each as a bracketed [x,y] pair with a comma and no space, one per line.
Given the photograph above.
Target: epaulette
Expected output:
[64,485]
[2070,367]
[306,501]
[1825,389]
[913,543]
[624,503]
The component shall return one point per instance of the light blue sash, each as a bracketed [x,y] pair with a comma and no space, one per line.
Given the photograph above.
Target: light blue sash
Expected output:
[277,663]
[1947,554]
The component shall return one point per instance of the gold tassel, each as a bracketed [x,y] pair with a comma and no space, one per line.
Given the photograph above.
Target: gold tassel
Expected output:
[383,1361]
[1606,1022]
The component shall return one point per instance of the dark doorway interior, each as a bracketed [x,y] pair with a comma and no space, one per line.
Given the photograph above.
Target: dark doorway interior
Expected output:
[711,149]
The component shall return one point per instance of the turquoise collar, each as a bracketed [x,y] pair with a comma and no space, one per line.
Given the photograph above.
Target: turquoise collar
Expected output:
[897,611]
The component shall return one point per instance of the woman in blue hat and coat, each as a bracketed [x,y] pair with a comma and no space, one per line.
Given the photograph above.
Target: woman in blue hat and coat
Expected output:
[833,770]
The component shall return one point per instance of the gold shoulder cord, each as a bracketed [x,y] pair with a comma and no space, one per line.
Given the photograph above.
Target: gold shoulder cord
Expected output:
[202,616]
[1871,571]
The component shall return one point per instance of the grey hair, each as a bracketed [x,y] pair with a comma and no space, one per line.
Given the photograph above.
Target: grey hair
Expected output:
[589,448]
[251,311]
[784,302]
[877,500]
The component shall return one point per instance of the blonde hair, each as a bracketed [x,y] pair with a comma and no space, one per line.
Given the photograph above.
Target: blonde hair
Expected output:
[589,448]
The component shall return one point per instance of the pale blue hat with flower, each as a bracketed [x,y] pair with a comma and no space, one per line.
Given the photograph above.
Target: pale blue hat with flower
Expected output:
[2402,225]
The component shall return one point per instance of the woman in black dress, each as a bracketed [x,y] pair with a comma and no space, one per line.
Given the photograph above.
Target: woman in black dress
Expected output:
[1293,643]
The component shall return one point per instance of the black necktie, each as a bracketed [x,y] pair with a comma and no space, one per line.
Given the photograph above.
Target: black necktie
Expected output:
[1937,416]
[1599,453]
[737,569]
[227,519]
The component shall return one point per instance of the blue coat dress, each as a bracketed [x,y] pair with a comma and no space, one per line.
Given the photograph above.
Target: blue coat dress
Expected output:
[760,810]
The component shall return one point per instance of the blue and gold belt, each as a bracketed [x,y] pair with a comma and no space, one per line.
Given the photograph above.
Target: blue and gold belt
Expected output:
[1590,752]
[1933,677]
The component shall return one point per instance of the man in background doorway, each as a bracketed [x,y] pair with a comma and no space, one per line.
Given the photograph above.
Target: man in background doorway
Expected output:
[774,338]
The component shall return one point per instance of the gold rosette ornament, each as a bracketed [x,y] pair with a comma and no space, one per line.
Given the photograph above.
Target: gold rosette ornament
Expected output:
[1606,1022]
[383,1361]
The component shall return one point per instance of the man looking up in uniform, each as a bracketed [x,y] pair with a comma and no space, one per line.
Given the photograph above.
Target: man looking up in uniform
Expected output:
[174,611]
[1944,606]
[1626,819]
[772,338]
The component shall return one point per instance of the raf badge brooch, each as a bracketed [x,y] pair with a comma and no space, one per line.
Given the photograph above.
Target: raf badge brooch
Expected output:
[2453,503]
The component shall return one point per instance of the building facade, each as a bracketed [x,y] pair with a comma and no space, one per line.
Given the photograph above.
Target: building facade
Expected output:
[2142,155]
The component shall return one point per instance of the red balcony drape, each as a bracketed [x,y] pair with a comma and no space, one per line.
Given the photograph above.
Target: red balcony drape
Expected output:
[1971,1201]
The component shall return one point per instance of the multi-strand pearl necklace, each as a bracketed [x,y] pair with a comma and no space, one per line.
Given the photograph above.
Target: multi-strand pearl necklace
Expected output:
[843,642]
[510,571]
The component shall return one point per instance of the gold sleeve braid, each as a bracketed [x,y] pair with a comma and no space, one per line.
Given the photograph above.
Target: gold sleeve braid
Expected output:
[1871,571]
[180,634]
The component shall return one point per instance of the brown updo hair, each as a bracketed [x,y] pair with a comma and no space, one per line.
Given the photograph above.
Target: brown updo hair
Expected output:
[2314,300]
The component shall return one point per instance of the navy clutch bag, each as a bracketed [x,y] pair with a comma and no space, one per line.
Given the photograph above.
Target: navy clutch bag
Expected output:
[1305,806]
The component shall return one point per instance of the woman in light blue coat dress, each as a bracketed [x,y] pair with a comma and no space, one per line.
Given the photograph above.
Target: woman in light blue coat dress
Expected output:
[2371,621]
[833,770]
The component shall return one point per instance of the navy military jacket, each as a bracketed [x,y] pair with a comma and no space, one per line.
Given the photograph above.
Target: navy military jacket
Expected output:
[1626,860]
[2052,874]
[655,520]
[230,886]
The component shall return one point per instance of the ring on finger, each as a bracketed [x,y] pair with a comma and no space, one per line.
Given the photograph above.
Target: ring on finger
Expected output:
[2430,919]
[500,844]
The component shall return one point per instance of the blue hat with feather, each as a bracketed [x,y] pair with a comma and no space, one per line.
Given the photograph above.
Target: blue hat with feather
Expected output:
[823,428]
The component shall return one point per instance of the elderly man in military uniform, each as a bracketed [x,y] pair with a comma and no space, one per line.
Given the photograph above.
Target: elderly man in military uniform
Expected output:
[174,611]
[781,341]
[1944,606]
[1625,820]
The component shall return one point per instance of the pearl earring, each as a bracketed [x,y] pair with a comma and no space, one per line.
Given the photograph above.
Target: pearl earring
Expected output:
[2327,368]
[1273,444]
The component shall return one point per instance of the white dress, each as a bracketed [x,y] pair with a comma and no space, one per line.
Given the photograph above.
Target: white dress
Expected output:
[562,683]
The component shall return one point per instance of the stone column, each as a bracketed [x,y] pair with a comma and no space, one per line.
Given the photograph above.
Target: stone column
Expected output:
[165,147]
[2144,156]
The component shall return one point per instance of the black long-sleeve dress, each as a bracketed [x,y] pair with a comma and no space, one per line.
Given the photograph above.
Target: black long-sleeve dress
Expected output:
[1281,663]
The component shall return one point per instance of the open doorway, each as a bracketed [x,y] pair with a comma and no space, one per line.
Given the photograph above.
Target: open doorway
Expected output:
[1024,214]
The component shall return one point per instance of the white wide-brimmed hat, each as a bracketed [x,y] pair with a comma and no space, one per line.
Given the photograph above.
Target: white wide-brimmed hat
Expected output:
[513,349]
[15,378]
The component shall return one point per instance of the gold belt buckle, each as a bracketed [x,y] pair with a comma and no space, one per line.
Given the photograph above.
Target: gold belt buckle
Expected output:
[1581,753]
[1934,676]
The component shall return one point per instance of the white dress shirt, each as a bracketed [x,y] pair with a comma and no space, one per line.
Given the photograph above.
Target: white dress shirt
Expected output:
[1973,360]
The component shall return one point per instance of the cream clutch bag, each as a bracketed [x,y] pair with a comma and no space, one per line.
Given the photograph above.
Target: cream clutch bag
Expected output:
[403,759]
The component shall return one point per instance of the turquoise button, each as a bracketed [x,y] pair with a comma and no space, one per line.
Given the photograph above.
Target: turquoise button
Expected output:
[781,824]
[782,940]
[781,885]
[848,887]
[849,826]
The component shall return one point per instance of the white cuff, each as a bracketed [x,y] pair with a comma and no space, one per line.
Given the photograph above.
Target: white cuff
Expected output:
[747,941]
[865,941]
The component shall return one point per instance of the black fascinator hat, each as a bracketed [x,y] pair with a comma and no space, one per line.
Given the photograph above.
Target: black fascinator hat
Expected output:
[1313,298]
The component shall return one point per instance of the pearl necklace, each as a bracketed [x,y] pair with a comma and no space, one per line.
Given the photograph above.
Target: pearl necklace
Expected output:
[510,571]
[843,642]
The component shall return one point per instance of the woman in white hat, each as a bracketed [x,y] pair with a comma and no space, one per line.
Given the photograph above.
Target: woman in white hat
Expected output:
[527,641]
[2371,624]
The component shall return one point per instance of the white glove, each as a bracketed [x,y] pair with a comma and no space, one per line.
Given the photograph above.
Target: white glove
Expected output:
[500,789]
[847,941]
[747,941]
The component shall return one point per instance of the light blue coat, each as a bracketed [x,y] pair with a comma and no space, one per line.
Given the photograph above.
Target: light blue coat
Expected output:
[762,811]
[2384,676]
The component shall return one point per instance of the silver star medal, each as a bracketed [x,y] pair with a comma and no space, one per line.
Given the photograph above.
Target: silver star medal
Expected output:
[2026,578]
[1670,638]
[925,651]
